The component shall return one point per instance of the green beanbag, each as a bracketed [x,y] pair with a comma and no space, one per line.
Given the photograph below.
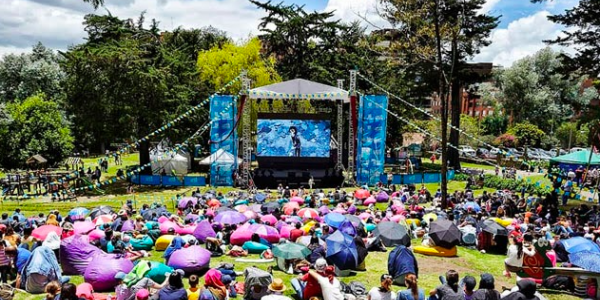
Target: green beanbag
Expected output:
[254,247]
[145,243]
[157,272]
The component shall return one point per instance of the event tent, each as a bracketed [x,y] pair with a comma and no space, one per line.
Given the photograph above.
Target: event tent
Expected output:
[576,159]
[299,89]
[221,157]
[173,163]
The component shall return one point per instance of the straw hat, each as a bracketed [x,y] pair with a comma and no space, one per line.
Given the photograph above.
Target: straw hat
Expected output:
[277,285]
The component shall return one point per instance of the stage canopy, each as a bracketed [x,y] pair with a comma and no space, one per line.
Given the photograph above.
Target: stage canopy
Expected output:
[579,158]
[220,157]
[299,89]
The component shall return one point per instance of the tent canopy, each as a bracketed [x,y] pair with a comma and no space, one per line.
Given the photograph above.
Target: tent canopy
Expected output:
[299,89]
[577,158]
[221,157]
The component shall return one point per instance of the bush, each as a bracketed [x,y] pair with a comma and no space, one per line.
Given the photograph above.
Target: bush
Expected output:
[497,182]
[506,140]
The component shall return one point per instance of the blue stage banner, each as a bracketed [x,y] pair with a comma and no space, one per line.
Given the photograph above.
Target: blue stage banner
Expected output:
[223,136]
[432,177]
[194,181]
[371,135]
[171,181]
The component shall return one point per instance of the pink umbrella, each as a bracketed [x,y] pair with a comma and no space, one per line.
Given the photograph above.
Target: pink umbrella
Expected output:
[103,219]
[214,203]
[298,200]
[184,202]
[397,218]
[250,214]
[340,210]
[41,232]
[285,230]
[308,213]
[83,227]
[241,208]
[370,200]
[364,216]
[266,232]
[361,194]
[288,209]
[324,210]
[269,218]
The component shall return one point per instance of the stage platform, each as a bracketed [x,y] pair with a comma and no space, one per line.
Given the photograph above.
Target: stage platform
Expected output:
[294,178]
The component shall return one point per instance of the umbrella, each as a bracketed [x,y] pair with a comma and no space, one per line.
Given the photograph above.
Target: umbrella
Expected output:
[444,233]
[184,202]
[103,219]
[101,210]
[224,209]
[230,217]
[392,234]
[241,208]
[356,221]
[430,216]
[263,230]
[83,227]
[271,219]
[580,244]
[324,210]
[473,206]
[289,208]
[41,232]
[382,197]
[305,240]
[365,216]
[494,228]
[342,251]
[270,207]
[334,219]
[297,199]
[204,230]
[587,260]
[214,203]
[361,194]
[347,228]
[250,214]
[192,217]
[260,198]
[290,251]
[308,213]
[78,213]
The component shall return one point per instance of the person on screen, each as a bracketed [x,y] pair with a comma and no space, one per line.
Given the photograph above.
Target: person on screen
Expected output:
[295,141]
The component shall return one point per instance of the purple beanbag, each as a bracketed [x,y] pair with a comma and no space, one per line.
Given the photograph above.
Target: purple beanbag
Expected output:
[191,260]
[203,230]
[101,271]
[76,253]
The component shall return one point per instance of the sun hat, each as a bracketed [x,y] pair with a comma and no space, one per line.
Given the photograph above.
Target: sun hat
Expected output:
[277,285]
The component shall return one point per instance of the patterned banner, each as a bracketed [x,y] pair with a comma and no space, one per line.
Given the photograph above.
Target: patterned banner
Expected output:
[371,135]
[223,136]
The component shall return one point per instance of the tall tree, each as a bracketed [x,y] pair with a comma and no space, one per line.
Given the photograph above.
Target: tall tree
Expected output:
[24,75]
[95,3]
[441,35]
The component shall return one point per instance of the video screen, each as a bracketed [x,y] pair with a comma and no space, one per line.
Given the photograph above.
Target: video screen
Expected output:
[293,138]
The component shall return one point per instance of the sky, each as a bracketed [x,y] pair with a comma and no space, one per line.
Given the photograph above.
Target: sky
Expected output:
[58,23]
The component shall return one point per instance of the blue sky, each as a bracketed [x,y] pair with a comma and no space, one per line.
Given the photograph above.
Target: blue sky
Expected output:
[58,23]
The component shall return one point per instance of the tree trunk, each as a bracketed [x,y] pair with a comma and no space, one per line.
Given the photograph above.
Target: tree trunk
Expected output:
[443,101]
[453,154]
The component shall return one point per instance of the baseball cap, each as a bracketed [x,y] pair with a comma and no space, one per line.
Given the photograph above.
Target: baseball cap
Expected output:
[320,264]
[180,272]
[120,276]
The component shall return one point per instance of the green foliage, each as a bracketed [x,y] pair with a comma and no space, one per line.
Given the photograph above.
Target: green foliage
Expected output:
[571,132]
[506,140]
[527,133]
[223,63]
[494,124]
[469,125]
[26,74]
[33,126]
[497,182]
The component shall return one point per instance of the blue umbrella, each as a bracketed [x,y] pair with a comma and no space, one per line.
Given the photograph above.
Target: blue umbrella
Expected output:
[260,198]
[473,206]
[580,244]
[334,219]
[342,251]
[588,260]
[347,228]
[78,213]
[22,218]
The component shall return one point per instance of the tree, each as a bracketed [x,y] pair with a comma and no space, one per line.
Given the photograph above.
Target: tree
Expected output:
[23,75]
[35,125]
[535,90]
[495,124]
[527,134]
[571,134]
[95,3]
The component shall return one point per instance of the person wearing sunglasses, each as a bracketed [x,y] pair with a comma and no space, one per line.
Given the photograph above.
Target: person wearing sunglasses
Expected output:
[383,292]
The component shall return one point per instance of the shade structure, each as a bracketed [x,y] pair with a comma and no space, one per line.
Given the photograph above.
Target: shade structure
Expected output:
[444,233]
[392,234]
[334,219]
[580,244]
[78,213]
[308,213]
[299,89]
[291,251]
[361,194]
[587,260]
[184,202]
[221,157]
[494,228]
[42,232]
[230,217]
[101,210]
[342,251]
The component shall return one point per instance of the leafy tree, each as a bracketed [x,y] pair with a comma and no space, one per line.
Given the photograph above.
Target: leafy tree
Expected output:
[534,90]
[35,125]
[506,140]
[23,75]
[527,133]
[495,124]
[571,134]
[95,3]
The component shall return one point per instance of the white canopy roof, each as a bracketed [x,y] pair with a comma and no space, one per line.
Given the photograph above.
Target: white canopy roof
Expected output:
[221,157]
[299,89]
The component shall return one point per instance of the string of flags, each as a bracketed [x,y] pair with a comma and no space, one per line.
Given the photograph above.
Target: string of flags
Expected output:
[275,95]
[165,127]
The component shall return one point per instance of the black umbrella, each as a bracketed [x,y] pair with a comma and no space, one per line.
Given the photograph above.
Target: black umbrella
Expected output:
[444,233]
[161,211]
[392,234]
[270,207]
[101,210]
[494,228]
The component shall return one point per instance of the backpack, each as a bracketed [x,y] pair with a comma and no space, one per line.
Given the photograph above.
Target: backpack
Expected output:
[357,288]
[559,283]
[206,295]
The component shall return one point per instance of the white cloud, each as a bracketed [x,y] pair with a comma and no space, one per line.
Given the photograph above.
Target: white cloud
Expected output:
[521,38]
[365,11]
[488,6]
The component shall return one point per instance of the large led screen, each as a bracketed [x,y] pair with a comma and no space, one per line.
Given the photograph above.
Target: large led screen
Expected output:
[293,138]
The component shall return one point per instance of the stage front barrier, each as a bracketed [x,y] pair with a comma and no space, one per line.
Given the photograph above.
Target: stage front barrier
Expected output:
[371,136]
[416,178]
[158,180]
[223,114]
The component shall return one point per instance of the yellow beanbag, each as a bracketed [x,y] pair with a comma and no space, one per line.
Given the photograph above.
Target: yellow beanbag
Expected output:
[410,222]
[163,242]
[504,222]
[435,251]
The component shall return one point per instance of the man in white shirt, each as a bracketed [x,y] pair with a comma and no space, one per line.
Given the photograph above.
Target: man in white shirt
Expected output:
[276,289]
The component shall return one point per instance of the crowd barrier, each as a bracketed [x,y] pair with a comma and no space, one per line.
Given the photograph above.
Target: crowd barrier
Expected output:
[417,178]
[168,180]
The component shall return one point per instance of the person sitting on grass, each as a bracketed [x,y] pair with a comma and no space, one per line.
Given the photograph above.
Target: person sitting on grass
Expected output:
[449,290]
[469,284]
[413,292]
[193,292]
[383,292]
[487,290]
